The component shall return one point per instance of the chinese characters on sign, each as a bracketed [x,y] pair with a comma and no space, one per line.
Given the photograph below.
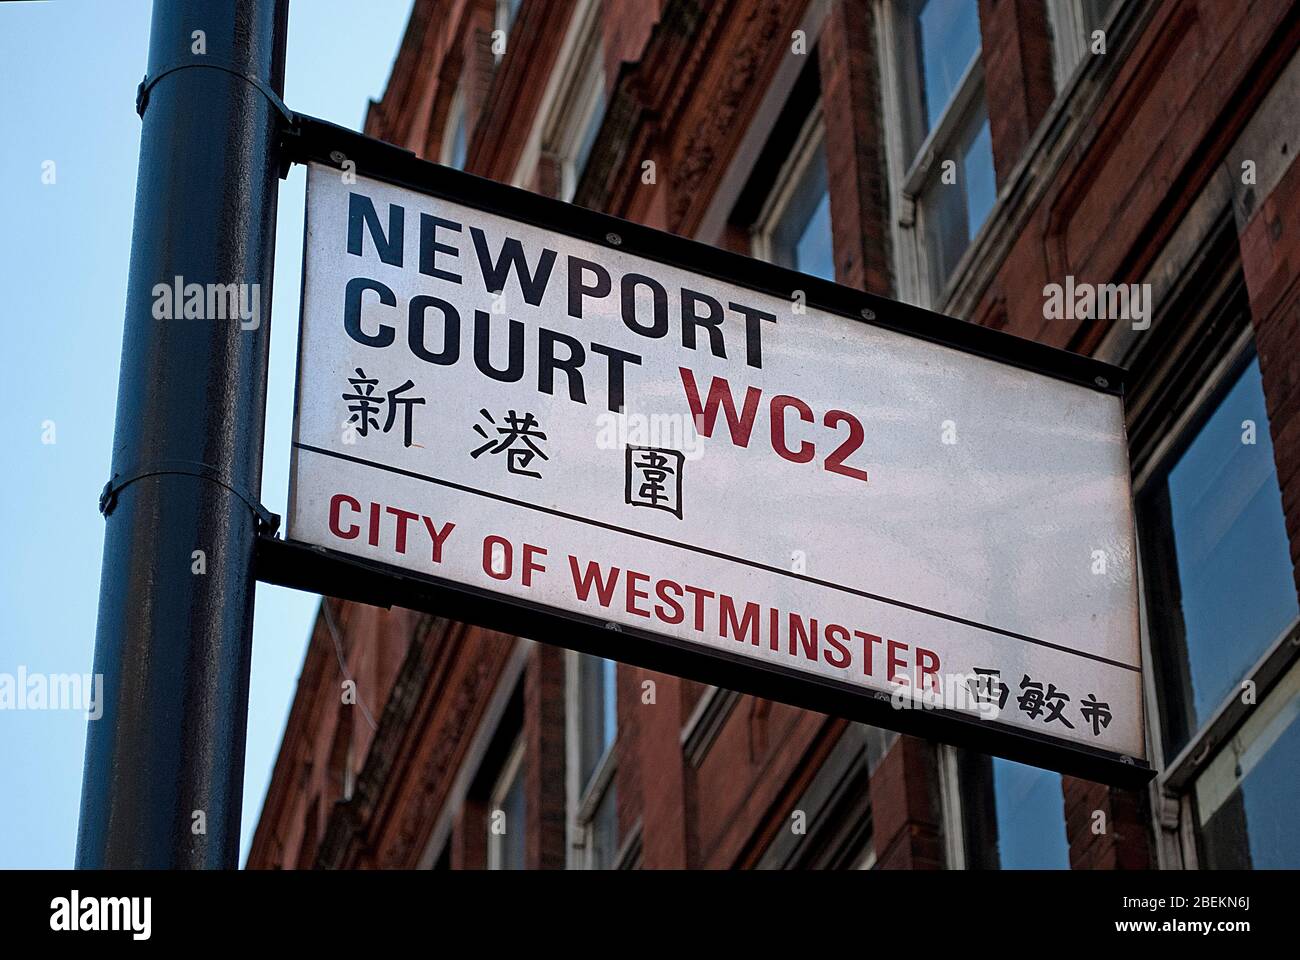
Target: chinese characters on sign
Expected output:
[1050,704]
[364,403]
[654,479]
[519,439]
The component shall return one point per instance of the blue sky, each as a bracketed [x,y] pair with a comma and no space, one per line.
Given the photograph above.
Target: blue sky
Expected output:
[70,70]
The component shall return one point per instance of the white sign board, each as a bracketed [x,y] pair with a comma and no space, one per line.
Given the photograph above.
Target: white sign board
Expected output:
[563,422]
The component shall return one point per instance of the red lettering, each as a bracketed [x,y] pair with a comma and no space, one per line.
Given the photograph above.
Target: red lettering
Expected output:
[802,635]
[352,531]
[806,450]
[927,665]
[700,595]
[729,625]
[403,518]
[835,462]
[837,637]
[582,583]
[438,536]
[633,594]
[490,543]
[893,647]
[530,565]
[869,640]
[740,425]
[661,589]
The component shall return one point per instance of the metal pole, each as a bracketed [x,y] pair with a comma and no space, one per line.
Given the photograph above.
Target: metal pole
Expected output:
[165,762]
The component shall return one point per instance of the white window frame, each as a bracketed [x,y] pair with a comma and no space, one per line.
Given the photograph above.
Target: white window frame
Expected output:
[455,114]
[513,768]
[811,136]
[583,799]
[579,101]
[909,174]
[1072,36]
[501,20]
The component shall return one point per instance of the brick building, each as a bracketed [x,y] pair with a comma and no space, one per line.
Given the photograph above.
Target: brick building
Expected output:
[1111,141]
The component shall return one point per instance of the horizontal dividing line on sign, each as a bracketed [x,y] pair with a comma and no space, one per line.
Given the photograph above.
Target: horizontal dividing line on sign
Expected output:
[705,551]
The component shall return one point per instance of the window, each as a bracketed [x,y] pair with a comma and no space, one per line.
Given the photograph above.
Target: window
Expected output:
[1073,23]
[504,19]
[455,137]
[938,143]
[1221,611]
[579,113]
[795,228]
[593,728]
[1246,798]
[506,12]
[507,815]
[1014,815]
[1217,560]
[837,809]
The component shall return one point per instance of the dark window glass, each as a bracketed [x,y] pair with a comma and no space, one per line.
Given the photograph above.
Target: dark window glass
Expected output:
[459,141]
[947,40]
[1247,798]
[1014,815]
[1216,559]
[954,212]
[801,236]
[514,803]
[597,717]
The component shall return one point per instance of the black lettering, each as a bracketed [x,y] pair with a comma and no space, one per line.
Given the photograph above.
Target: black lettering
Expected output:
[712,323]
[361,209]
[352,312]
[514,370]
[512,256]
[615,361]
[430,247]
[659,325]
[450,331]
[548,363]
[753,332]
[578,290]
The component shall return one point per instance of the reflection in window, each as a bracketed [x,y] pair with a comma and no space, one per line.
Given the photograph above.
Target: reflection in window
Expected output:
[455,140]
[1217,559]
[946,168]
[506,816]
[947,40]
[1014,815]
[1247,797]
[795,230]
[954,212]
[604,832]
[595,701]
[801,236]
[598,723]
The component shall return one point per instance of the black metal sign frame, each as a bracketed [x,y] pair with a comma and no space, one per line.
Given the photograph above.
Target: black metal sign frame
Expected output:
[320,570]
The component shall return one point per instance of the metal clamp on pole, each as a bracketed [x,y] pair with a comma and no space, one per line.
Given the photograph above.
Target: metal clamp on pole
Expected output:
[267,522]
[148,83]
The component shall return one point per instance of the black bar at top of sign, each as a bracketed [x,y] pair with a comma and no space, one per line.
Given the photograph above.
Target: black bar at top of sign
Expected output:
[310,139]
[307,567]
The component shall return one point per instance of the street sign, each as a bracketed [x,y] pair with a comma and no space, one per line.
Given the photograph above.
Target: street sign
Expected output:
[651,445]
